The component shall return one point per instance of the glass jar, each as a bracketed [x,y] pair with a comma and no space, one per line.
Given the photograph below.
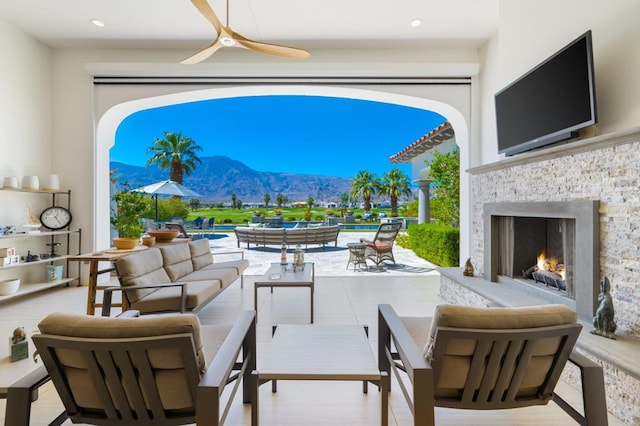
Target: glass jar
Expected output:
[298,257]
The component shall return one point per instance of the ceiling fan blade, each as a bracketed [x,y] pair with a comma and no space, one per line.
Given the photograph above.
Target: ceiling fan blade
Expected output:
[203,54]
[272,49]
[206,10]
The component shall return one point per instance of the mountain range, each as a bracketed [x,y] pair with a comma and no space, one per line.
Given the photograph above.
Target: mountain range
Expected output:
[217,177]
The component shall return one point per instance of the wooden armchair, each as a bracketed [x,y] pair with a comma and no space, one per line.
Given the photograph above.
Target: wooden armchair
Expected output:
[139,371]
[487,359]
[381,247]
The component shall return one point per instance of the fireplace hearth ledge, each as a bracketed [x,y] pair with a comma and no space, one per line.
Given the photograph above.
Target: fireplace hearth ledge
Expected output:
[620,353]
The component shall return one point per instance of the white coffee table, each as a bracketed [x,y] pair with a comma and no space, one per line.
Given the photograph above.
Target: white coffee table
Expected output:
[320,352]
[280,276]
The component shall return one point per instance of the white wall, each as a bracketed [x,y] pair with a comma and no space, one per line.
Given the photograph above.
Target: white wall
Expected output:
[25,117]
[532,30]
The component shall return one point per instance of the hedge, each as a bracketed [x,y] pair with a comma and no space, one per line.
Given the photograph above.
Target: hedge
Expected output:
[439,244]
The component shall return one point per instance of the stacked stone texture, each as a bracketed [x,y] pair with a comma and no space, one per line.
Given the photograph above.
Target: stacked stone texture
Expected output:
[611,175]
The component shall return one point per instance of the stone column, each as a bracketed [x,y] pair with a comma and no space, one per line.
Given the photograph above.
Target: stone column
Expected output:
[423,200]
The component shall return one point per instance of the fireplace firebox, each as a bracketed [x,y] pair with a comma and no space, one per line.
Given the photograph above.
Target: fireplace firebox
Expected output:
[552,245]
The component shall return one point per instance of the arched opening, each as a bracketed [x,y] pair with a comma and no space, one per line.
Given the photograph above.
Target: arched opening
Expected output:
[110,120]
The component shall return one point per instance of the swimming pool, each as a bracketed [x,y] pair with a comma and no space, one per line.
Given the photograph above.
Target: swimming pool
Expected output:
[289,225]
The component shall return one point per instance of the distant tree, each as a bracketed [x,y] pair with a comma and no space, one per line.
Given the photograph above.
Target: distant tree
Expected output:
[280,200]
[365,184]
[444,171]
[175,152]
[344,199]
[310,201]
[238,204]
[234,197]
[267,198]
[194,203]
[395,183]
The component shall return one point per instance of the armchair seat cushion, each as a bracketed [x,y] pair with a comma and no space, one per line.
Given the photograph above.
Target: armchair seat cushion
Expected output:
[380,246]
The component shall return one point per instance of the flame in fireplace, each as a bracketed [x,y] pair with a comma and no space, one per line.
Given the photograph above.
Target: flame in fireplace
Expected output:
[550,264]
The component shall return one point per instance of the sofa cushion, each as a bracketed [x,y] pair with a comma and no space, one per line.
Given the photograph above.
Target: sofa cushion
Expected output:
[168,298]
[142,268]
[200,253]
[177,260]
[220,275]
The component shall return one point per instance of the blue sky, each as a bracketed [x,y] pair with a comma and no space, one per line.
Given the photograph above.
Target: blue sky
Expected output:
[294,134]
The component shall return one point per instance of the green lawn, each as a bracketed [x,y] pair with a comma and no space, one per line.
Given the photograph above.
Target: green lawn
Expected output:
[240,216]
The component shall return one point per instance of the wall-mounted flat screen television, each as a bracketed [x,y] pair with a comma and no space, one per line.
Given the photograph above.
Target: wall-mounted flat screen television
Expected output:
[550,103]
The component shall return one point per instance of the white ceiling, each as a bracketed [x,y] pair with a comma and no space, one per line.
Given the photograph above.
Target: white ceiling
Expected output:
[301,23]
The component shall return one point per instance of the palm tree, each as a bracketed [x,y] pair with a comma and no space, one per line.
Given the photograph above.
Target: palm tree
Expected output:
[234,198]
[280,200]
[395,183]
[365,184]
[175,152]
[267,198]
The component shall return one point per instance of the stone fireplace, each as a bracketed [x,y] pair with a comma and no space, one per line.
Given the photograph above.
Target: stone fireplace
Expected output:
[593,182]
[563,232]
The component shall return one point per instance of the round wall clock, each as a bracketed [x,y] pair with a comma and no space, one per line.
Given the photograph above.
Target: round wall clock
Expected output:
[55,218]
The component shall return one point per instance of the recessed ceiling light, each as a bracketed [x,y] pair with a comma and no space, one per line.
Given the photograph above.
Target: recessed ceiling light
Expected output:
[415,22]
[97,22]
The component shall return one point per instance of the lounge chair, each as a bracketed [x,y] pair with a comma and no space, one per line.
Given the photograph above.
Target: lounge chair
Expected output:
[208,224]
[381,247]
[487,359]
[183,233]
[139,371]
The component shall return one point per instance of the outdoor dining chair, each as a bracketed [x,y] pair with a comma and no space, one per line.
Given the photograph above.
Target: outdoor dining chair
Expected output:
[487,359]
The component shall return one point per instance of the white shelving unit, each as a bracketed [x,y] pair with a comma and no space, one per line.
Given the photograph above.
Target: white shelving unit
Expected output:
[64,237]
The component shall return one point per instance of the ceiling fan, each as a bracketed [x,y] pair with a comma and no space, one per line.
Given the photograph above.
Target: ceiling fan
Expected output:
[228,38]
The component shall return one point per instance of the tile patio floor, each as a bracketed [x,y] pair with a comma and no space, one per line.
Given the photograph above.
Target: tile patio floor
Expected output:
[342,297]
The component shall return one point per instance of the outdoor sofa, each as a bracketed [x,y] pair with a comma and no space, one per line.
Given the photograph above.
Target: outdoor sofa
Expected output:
[179,277]
[259,236]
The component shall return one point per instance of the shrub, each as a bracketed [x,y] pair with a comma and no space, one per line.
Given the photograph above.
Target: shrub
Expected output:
[319,218]
[227,220]
[437,243]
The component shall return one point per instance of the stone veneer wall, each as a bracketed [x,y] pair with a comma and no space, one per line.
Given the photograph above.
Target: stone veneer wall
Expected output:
[605,168]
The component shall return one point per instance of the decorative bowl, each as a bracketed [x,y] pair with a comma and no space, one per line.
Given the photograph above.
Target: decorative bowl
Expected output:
[9,286]
[164,235]
[148,240]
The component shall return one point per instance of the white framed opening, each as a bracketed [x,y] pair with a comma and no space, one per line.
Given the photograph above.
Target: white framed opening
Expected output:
[116,101]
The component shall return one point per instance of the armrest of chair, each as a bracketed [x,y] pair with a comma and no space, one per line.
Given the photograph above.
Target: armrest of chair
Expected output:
[421,398]
[241,338]
[240,252]
[594,401]
[22,393]
[391,329]
[108,294]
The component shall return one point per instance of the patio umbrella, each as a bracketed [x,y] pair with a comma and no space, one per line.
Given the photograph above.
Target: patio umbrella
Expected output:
[167,187]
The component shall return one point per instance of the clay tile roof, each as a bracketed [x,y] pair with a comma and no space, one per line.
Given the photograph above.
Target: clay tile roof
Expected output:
[435,137]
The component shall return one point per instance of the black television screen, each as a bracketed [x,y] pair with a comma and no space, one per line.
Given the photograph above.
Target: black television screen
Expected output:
[550,103]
